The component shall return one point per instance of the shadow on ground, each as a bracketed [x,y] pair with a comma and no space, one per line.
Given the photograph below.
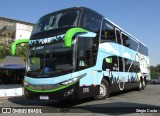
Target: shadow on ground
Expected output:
[119,108]
[70,103]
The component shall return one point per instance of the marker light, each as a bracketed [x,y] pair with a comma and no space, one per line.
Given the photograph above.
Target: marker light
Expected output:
[25,83]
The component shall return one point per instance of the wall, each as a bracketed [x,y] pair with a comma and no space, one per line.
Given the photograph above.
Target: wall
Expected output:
[23,31]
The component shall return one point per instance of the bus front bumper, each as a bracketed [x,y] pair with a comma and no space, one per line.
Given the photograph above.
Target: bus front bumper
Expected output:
[64,93]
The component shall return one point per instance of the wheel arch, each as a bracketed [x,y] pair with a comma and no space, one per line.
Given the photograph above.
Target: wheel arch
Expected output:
[107,79]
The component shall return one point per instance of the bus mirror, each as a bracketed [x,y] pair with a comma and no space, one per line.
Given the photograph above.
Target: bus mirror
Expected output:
[13,46]
[77,32]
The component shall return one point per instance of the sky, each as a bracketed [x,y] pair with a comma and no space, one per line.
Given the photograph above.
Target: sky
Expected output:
[140,18]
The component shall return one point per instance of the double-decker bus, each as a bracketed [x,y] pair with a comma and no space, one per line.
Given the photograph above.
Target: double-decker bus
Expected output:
[78,53]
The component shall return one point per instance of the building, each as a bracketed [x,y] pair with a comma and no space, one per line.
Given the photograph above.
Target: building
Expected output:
[11,30]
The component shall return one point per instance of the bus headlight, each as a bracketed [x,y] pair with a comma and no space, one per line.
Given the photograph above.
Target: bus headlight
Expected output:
[73,79]
[69,81]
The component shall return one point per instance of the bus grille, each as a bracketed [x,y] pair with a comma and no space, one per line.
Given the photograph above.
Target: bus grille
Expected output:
[44,87]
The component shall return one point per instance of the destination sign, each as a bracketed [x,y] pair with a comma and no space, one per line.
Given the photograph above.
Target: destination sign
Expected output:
[48,40]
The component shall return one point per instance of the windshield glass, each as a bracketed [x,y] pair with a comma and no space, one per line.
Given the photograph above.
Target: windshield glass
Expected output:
[64,19]
[50,59]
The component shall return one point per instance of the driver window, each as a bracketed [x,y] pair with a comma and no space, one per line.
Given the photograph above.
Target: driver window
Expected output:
[85,53]
[85,58]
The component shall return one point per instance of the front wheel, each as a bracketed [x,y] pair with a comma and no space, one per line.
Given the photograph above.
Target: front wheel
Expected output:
[104,91]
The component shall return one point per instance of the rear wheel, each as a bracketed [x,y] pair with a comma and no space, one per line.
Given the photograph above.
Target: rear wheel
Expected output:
[140,87]
[104,91]
[154,82]
[143,83]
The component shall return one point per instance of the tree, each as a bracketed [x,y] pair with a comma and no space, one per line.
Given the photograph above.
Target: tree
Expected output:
[4,51]
[158,68]
[21,51]
[155,71]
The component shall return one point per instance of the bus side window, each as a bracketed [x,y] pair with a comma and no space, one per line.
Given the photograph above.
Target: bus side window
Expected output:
[136,67]
[129,42]
[143,49]
[118,37]
[108,33]
[110,63]
[121,64]
[125,38]
[128,65]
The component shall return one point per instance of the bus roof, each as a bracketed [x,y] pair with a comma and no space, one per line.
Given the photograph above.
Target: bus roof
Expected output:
[62,10]
[72,8]
[85,8]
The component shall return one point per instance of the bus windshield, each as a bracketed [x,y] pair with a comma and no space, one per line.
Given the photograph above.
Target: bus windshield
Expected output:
[49,59]
[57,20]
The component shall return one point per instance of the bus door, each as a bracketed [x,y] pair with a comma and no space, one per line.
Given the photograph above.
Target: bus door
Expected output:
[85,62]
[122,72]
[85,58]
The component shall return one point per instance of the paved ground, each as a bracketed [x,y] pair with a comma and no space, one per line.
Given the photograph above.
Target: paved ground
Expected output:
[141,101]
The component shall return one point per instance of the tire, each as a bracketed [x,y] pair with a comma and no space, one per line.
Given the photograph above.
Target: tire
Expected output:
[104,91]
[140,86]
[143,83]
[154,82]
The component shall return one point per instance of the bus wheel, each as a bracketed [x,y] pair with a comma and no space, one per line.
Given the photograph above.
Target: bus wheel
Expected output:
[104,91]
[140,87]
[144,83]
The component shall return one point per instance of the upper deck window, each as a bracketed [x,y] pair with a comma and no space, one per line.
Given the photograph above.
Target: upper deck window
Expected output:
[92,21]
[57,20]
[129,42]
[143,49]
[108,32]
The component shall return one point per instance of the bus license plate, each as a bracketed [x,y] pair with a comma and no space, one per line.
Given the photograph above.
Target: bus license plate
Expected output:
[44,97]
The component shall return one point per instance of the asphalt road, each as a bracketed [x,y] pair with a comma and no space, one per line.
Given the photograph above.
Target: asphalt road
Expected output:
[139,101]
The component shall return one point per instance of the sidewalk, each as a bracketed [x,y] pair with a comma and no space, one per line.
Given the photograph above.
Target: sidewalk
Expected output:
[11,90]
[4,98]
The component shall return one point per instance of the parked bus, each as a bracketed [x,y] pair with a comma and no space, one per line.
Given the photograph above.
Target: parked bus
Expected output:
[78,53]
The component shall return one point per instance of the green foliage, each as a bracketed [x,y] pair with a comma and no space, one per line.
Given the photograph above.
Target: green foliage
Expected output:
[21,51]
[4,51]
[155,71]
